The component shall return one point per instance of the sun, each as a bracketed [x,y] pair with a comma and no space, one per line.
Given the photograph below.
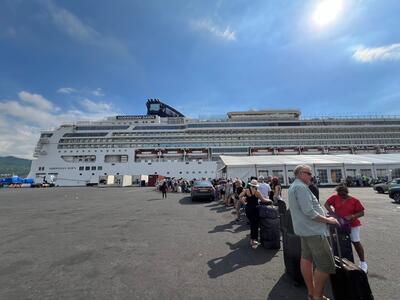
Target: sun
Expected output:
[327,11]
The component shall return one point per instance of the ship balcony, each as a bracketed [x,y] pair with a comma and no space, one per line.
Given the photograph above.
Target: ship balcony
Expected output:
[44,141]
[39,152]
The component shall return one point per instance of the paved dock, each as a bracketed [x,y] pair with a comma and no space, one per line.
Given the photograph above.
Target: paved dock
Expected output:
[128,243]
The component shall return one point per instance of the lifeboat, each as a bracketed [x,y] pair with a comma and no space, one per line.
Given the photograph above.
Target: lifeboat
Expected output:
[261,151]
[172,152]
[340,150]
[197,152]
[146,153]
[292,151]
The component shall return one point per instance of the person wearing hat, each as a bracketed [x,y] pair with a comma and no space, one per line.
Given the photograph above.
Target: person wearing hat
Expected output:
[251,196]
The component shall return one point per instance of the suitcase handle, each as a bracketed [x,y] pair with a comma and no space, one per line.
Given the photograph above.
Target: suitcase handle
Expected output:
[337,245]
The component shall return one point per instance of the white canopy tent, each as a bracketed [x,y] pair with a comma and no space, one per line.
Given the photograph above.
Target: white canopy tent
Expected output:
[330,169]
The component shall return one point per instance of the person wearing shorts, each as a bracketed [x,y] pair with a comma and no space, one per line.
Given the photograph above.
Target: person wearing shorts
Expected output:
[351,209]
[309,222]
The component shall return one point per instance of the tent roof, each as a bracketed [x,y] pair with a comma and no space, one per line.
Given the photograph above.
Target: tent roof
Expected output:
[327,159]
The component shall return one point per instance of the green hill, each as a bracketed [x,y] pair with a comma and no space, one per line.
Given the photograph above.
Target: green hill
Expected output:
[10,165]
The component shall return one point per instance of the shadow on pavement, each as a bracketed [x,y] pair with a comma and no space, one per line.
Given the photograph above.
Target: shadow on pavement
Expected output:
[286,289]
[215,204]
[241,256]
[188,201]
[221,209]
[229,227]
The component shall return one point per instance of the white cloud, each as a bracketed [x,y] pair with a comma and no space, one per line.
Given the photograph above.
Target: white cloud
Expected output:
[209,26]
[20,124]
[37,100]
[389,52]
[69,23]
[95,107]
[98,92]
[66,90]
[20,141]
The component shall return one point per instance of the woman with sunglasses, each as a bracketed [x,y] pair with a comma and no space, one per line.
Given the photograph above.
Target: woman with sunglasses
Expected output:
[251,198]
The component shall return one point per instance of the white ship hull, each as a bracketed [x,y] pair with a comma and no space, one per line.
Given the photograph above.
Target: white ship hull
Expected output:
[69,174]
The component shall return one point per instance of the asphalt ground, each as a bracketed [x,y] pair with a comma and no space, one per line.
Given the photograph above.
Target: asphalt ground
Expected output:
[128,243]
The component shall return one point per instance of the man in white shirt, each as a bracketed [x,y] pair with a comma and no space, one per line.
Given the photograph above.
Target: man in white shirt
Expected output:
[263,187]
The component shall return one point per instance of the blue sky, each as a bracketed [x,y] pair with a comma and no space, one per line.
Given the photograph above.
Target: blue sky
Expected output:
[63,61]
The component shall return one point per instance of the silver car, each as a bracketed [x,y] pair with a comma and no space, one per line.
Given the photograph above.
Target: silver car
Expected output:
[384,187]
[202,190]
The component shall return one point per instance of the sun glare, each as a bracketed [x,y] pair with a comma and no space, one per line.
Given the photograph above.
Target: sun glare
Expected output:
[327,11]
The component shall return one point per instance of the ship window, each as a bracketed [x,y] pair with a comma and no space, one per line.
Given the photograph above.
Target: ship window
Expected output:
[180,172]
[80,174]
[167,172]
[81,168]
[99,168]
[87,168]
[92,173]
[93,167]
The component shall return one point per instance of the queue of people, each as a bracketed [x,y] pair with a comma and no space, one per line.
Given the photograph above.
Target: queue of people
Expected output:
[308,216]
[310,223]
[309,220]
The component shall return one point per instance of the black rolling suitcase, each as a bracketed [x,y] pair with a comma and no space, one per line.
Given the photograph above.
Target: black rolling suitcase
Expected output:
[291,247]
[291,256]
[269,227]
[282,213]
[345,247]
[349,282]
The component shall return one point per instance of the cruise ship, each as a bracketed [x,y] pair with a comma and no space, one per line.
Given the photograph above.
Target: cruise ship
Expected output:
[165,142]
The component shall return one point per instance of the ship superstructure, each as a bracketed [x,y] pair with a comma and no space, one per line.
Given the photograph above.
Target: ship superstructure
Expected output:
[167,143]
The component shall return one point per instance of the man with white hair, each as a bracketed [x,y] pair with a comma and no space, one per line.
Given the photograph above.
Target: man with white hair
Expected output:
[309,223]
[263,187]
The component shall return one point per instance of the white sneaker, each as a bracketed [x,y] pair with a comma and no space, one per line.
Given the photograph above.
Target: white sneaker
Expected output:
[364,266]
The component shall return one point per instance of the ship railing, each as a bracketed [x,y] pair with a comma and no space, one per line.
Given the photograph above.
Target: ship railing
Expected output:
[350,117]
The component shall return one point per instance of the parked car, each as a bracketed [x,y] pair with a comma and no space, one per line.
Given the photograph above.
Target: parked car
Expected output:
[394,191]
[202,189]
[385,186]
